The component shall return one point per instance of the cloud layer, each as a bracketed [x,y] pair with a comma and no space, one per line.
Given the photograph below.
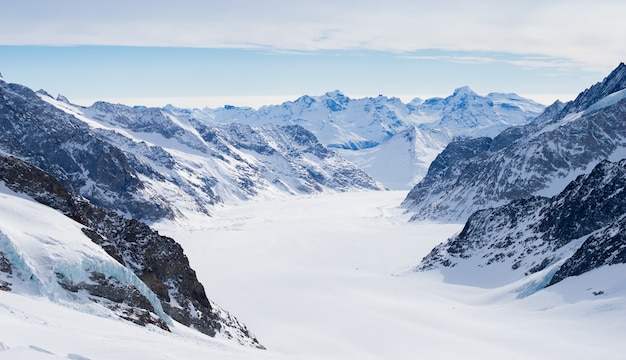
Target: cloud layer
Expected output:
[589,33]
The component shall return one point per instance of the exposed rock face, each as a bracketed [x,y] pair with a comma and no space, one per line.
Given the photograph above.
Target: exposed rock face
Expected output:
[290,157]
[157,260]
[536,159]
[582,228]
[66,148]
[147,164]
[123,299]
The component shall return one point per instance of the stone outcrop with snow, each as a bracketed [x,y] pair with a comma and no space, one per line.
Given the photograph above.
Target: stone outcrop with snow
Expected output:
[81,253]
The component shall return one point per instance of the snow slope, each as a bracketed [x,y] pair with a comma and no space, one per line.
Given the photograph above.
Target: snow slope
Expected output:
[37,328]
[45,246]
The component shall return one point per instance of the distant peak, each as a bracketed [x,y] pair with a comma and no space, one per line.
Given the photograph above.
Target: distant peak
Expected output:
[62,98]
[335,93]
[416,101]
[43,92]
[338,96]
[465,90]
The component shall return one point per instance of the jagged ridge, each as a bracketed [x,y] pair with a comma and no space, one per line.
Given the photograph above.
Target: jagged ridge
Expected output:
[583,225]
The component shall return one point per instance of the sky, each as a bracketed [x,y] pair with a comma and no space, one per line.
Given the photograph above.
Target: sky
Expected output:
[241,52]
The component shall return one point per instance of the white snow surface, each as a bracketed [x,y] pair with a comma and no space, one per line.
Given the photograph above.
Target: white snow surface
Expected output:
[328,277]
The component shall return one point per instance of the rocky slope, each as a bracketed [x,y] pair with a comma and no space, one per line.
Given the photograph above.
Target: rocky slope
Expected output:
[66,148]
[147,164]
[536,159]
[576,231]
[165,286]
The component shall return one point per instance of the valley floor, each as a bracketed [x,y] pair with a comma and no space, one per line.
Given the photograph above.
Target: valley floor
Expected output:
[328,277]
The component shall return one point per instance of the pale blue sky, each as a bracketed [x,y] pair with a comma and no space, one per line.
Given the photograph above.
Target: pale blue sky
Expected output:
[209,53]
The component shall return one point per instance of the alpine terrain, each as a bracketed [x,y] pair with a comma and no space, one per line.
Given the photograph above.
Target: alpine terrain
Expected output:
[147,164]
[123,227]
[392,141]
[540,158]
[549,228]
[65,248]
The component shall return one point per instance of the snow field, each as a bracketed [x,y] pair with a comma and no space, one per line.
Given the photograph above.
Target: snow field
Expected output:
[328,277]
[322,277]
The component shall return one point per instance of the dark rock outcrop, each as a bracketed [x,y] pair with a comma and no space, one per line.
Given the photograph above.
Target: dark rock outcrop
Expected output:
[66,148]
[584,226]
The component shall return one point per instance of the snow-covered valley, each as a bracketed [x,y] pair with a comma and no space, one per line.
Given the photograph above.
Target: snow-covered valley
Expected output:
[305,248]
[328,276]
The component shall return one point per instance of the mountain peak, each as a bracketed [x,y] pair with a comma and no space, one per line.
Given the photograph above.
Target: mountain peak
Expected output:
[43,92]
[614,82]
[335,94]
[62,98]
[462,91]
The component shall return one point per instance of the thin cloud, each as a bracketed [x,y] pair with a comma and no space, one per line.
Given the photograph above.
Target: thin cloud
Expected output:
[589,33]
[523,61]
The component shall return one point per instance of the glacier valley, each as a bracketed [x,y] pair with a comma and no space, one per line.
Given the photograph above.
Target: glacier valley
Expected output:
[329,276]
[124,230]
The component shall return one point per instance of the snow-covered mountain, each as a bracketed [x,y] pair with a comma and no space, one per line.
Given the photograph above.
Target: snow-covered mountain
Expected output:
[392,141]
[580,229]
[148,164]
[530,229]
[540,158]
[92,260]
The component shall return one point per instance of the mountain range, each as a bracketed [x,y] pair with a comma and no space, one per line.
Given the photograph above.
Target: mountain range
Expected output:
[544,201]
[540,189]
[392,141]
[539,158]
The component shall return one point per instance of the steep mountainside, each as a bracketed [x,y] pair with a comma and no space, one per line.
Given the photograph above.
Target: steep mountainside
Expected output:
[222,163]
[147,164]
[65,147]
[141,276]
[580,229]
[371,132]
[537,159]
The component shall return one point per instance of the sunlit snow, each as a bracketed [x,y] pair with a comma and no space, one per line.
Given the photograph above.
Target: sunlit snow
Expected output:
[328,277]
